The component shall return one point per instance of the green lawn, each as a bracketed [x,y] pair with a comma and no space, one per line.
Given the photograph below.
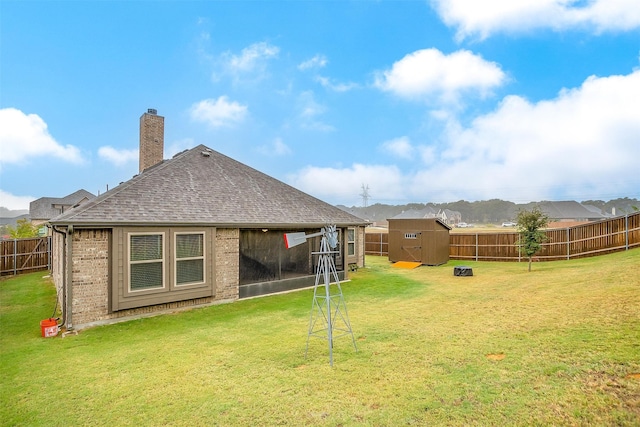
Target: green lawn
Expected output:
[557,346]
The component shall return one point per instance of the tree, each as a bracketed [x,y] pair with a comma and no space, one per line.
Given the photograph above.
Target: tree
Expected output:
[24,228]
[530,225]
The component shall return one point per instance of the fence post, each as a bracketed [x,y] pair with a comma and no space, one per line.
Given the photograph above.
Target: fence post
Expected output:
[15,256]
[49,253]
[626,232]
[476,246]
[568,244]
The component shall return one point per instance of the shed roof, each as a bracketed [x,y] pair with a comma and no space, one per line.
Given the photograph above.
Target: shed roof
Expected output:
[203,187]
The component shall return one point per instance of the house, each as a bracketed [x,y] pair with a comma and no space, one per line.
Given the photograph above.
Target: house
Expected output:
[45,208]
[569,213]
[426,212]
[198,229]
[447,216]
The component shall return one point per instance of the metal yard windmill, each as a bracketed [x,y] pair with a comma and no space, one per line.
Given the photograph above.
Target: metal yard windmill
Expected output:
[328,309]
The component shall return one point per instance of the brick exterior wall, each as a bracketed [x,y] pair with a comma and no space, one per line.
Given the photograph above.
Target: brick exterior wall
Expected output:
[227,263]
[151,140]
[90,276]
[91,268]
[360,239]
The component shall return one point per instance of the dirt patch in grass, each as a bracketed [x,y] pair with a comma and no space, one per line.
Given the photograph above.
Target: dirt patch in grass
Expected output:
[496,356]
[625,390]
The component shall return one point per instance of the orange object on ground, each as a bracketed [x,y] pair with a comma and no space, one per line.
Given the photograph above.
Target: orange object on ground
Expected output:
[49,327]
[406,264]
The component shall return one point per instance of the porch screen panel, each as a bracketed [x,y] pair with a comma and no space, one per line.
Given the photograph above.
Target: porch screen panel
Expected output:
[189,258]
[146,270]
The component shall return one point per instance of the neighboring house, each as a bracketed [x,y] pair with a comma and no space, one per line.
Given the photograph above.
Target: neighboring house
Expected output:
[569,212]
[597,211]
[45,208]
[194,230]
[426,212]
[447,216]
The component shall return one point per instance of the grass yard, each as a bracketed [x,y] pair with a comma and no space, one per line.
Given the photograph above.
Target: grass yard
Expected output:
[557,346]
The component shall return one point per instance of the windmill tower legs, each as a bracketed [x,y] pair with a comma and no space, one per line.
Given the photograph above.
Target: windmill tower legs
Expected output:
[329,317]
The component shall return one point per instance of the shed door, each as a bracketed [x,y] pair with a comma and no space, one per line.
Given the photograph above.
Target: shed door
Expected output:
[411,246]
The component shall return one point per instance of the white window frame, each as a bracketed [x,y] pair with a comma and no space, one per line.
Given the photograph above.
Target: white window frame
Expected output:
[351,244]
[161,260]
[202,257]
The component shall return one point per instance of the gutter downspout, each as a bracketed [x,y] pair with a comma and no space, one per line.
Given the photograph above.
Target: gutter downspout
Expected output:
[67,276]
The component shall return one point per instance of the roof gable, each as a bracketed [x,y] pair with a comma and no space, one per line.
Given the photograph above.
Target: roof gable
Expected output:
[568,210]
[49,207]
[426,212]
[201,186]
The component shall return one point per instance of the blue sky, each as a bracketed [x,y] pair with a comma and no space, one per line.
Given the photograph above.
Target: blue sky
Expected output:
[420,101]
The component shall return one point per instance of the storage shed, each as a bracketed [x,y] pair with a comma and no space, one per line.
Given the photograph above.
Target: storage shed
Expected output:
[423,240]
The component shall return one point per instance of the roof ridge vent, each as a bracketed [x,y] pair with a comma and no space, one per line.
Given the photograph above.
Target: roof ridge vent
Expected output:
[205,153]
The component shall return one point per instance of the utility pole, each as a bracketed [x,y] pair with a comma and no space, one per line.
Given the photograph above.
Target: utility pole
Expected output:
[365,195]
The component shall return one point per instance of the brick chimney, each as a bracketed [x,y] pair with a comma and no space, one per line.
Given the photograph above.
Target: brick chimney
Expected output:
[151,139]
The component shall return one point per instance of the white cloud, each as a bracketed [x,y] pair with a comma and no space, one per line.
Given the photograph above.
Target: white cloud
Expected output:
[252,56]
[481,19]
[582,144]
[218,112]
[118,157]
[318,61]
[344,185]
[308,112]
[24,136]
[399,147]
[14,203]
[584,138]
[308,106]
[427,154]
[428,73]
[276,148]
[336,87]
[250,64]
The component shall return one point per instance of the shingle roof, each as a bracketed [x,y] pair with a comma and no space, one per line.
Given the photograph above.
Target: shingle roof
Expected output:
[568,210]
[45,207]
[426,212]
[201,186]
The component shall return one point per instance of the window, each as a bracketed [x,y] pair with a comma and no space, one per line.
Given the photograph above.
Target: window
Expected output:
[351,241]
[146,262]
[160,265]
[189,258]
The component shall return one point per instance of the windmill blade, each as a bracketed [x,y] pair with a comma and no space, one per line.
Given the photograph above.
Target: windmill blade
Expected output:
[294,239]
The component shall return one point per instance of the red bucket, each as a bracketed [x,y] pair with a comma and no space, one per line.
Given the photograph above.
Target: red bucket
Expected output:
[49,327]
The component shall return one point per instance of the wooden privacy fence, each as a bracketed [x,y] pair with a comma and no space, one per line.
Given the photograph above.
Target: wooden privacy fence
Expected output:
[25,255]
[595,238]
